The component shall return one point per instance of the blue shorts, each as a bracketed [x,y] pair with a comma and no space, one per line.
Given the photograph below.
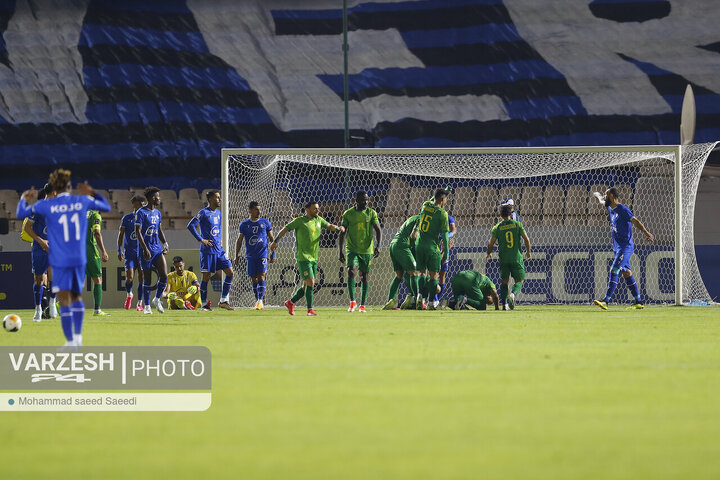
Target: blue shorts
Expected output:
[256,266]
[212,262]
[68,278]
[621,261]
[131,261]
[148,264]
[40,261]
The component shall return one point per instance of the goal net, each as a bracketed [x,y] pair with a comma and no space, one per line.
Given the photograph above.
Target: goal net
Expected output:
[553,193]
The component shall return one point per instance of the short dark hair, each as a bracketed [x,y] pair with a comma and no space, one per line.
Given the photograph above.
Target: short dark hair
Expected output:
[614,192]
[137,198]
[360,192]
[310,203]
[440,193]
[253,204]
[210,193]
[505,210]
[150,191]
[177,259]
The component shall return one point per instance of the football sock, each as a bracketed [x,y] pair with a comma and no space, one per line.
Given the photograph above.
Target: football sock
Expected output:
[146,291]
[298,294]
[255,289]
[227,283]
[477,305]
[442,290]
[203,292]
[632,286]
[51,294]
[160,288]
[422,281]
[364,292]
[141,290]
[309,296]
[612,285]
[38,293]
[78,313]
[351,289]
[394,287]
[409,284]
[517,288]
[128,287]
[416,285]
[431,288]
[66,320]
[97,296]
[261,290]
[503,293]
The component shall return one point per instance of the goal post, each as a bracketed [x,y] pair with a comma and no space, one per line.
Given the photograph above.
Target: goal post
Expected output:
[552,188]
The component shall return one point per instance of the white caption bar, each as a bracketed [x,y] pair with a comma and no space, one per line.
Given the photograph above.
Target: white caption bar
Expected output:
[96,402]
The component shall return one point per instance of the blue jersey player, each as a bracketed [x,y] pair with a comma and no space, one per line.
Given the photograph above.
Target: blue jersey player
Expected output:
[66,221]
[258,235]
[152,248]
[621,223]
[35,227]
[128,252]
[212,253]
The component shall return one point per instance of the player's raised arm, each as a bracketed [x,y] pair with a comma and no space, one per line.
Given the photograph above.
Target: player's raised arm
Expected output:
[637,223]
[600,198]
[24,206]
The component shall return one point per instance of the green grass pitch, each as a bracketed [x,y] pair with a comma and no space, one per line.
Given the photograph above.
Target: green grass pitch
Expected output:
[543,392]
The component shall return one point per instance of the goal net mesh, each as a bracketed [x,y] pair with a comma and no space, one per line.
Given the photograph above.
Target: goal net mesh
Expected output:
[553,194]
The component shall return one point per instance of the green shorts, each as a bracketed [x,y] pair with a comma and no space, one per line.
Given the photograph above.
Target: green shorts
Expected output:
[402,258]
[307,269]
[362,260]
[93,269]
[428,258]
[516,269]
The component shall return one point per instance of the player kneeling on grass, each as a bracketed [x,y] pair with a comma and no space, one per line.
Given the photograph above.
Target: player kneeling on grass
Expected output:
[507,234]
[474,289]
[183,288]
[308,229]
[621,223]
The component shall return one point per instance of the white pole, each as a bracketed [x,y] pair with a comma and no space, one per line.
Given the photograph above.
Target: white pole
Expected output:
[225,200]
[679,251]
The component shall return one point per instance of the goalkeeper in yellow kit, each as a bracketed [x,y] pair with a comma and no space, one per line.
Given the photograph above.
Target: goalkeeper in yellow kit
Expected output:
[183,289]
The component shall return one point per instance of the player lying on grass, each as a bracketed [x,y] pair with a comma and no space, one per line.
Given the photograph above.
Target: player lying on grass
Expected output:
[258,234]
[404,264]
[183,288]
[474,289]
[359,222]
[621,223]
[507,234]
[308,229]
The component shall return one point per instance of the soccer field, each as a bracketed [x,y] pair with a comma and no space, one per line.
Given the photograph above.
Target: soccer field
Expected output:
[540,392]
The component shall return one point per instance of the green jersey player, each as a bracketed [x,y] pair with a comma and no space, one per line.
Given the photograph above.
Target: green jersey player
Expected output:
[433,230]
[93,269]
[472,288]
[359,221]
[404,265]
[308,229]
[507,235]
